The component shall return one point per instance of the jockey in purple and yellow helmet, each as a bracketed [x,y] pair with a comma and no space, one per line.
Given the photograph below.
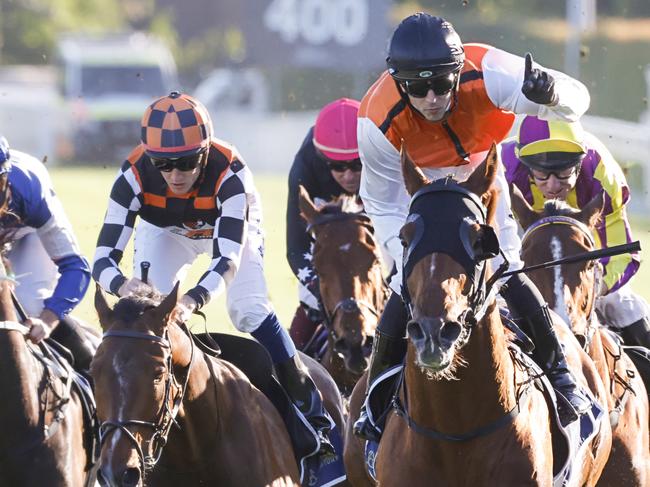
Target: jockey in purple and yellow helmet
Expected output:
[559,160]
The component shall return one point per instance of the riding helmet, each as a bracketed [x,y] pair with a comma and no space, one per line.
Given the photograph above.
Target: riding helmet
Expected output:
[424,46]
[176,125]
[550,145]
[335,132]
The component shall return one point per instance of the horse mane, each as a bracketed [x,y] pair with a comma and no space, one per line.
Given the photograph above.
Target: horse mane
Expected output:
[130,307]
[344,203]
[558,208]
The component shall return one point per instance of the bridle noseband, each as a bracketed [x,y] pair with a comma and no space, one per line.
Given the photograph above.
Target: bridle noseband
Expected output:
[166,416]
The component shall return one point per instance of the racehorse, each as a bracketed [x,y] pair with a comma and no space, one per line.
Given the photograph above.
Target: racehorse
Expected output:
[43,440]
[465,413]
[559,231]
[347,260]
[150,375]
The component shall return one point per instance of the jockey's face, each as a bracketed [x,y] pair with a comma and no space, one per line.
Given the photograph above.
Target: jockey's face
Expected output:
[432,107]
[347,174]
[555,185]
[180,182]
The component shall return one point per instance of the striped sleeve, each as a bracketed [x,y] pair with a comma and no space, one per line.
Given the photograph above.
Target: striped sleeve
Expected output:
[614,228]
[124,204]
[229,232]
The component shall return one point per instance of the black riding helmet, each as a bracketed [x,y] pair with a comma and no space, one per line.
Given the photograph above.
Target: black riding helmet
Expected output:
[424,46]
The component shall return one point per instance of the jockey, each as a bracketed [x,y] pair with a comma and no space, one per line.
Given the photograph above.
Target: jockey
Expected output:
[559,160]
[194,194]
[449,102]
[45,258]
[327,165]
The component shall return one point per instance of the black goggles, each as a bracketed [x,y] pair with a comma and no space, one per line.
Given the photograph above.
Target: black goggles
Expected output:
[440,85]
[563,175]
[186,163]
[342,166]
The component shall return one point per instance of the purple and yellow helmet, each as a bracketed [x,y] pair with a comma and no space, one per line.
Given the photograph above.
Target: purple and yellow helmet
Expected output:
[550,145]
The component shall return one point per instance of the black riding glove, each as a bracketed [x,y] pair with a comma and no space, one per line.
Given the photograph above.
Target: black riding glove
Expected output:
[539,86]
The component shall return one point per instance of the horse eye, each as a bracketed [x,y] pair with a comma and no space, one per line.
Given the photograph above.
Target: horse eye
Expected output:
[159,373]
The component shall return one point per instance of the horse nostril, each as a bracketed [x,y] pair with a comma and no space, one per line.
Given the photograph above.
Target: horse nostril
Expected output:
[131,477]
[449,332]
[340,345]
[415,331]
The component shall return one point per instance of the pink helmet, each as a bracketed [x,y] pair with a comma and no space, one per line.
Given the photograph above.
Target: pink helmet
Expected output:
[335,132]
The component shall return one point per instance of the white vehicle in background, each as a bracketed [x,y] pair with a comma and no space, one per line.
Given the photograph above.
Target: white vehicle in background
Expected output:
[106,83]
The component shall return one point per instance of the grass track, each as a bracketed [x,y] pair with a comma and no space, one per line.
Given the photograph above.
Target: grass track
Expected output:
[84,193]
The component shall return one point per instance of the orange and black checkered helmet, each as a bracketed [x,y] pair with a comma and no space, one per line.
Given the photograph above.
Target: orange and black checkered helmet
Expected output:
[175,125]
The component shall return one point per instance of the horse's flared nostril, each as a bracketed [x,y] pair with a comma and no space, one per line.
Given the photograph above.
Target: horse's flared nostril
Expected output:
[131,477]
[449,332]
[415,331]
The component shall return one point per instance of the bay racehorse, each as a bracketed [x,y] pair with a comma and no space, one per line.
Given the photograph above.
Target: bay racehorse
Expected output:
[347,260]
[465,414]
[43,439]
[571,290]
[155,388]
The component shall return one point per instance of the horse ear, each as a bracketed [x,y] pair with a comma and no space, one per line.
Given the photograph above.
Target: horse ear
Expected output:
[414,178]
[104,311]
[520,207]
[307,208]
[484,175]
[592,211]
[165,308]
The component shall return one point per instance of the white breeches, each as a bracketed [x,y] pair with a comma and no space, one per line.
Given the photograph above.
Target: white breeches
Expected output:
[171,255]
[622,307]
[35,272]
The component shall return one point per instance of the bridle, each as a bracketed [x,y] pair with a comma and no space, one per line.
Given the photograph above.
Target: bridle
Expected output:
[481,293]
[166,416]
[584,230]
[348,304]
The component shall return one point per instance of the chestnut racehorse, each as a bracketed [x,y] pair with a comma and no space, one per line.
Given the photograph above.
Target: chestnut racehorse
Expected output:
[347,260]
[465,415]
[43,440]
[156,389]
[571,290]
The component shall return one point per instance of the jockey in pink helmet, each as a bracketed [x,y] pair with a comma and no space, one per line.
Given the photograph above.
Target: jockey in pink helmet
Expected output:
[327,165]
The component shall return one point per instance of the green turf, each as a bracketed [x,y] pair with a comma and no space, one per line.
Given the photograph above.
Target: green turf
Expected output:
[84,193]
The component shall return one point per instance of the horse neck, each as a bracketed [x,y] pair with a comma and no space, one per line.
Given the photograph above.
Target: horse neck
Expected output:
[451,405]
[197,416]
[19,408]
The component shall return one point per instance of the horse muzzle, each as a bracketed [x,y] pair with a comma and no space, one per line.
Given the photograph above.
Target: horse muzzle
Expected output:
[120,477]
[434,340]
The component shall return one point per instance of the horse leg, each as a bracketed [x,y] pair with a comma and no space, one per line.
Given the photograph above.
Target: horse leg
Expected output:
[353,454]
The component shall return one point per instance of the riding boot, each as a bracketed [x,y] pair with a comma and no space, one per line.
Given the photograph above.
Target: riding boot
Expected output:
[300,387]
[387,351]
[549,355]
[638,333]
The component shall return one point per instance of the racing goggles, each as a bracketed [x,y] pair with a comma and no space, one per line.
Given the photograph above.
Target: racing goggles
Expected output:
[186,163]
[342,166]
[440,85]
[563,175]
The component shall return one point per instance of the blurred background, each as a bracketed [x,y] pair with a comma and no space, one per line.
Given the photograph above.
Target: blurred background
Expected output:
[76,75]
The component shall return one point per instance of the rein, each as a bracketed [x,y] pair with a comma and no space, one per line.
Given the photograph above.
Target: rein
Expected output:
[165,417]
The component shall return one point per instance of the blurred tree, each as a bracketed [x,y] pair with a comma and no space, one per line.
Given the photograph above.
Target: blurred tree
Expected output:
[29,28]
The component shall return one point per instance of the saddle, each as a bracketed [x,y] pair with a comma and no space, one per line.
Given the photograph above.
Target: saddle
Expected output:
[255,362]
